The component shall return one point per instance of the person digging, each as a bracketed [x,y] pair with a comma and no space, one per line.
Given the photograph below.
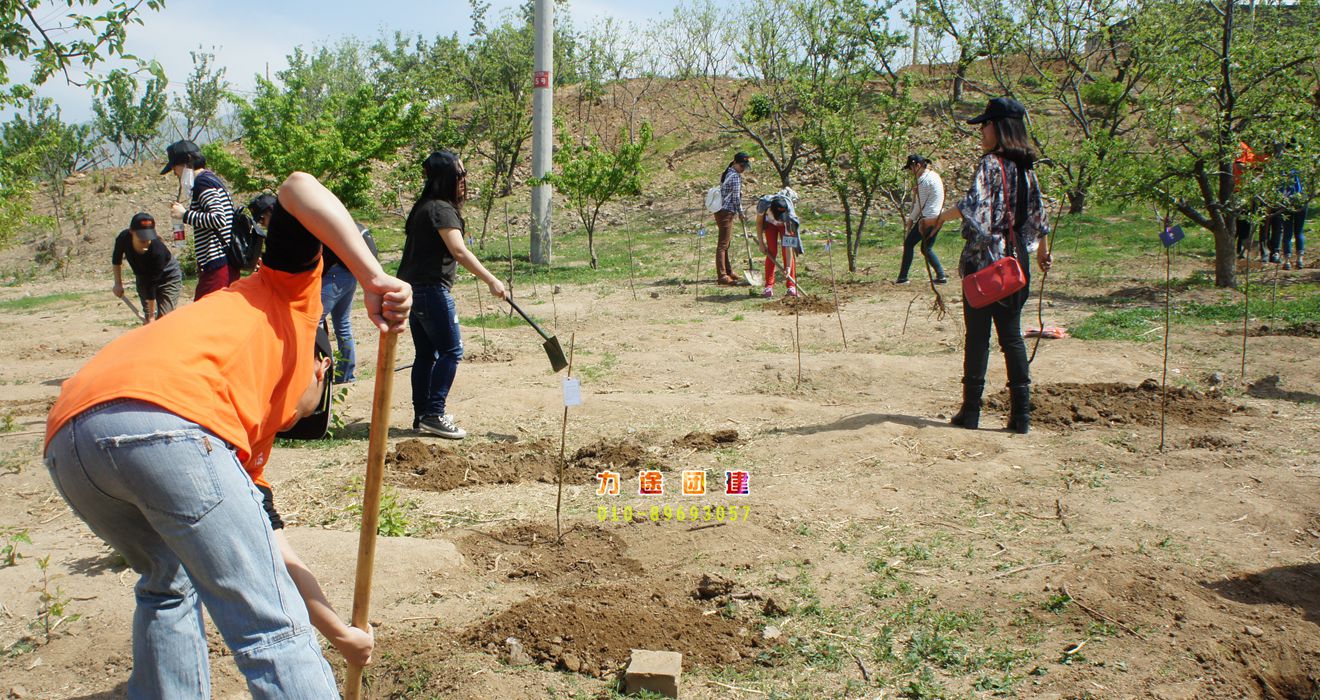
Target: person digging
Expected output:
[165,463]
[156,273]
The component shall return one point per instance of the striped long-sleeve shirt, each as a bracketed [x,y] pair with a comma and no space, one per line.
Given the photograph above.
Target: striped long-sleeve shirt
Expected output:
[211,214]
[930,197]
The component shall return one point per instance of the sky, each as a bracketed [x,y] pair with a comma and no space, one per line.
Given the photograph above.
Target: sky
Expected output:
[247,36]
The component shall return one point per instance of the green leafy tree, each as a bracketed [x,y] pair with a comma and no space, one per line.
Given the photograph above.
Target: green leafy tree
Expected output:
[859,134]
[956,20]
[129,121]
[1071,57]
[203,93]
[325,116]
[15,193]
[430,70]
[1220,74]
[766,42]
[72,45]
[46,148]
[590,175]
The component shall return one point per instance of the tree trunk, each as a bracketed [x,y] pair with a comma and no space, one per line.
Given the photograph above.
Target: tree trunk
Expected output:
[849,236]
[1076,201]
[591,248]
[1226,254]
[960,77]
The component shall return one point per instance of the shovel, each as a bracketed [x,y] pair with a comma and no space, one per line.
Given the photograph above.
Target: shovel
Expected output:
[551,345]
[751,276]
[134,307]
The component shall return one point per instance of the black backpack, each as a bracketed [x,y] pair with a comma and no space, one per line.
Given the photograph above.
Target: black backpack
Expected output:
[246,240]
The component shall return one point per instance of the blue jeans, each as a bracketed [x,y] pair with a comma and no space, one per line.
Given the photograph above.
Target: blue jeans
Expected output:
[439,346]
[1294,224]
[337,289]
[914,238]
[173,500]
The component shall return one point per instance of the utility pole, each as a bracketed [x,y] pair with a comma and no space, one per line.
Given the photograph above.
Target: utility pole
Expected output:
[543,103]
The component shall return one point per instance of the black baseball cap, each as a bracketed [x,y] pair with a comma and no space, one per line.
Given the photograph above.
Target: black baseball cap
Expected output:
[315,426]
[144,225]
[1000,108]
[262,204]
[915,159]
[440,161]
[179,153]
[741,157]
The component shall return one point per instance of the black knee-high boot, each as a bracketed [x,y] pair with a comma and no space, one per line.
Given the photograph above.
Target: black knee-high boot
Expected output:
[969,416]
[1019,418]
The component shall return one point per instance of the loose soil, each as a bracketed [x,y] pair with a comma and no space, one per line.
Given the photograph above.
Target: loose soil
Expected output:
[1070,405]
[822,303]
[708,441]
[615,454]
[432,467]
[529,551]
[488,356]
[592,629]
[1305,329]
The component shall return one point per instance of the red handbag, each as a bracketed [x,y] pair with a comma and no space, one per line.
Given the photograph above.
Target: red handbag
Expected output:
[1004,277]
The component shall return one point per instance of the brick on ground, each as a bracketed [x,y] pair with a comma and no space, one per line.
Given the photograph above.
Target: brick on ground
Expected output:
[656,671]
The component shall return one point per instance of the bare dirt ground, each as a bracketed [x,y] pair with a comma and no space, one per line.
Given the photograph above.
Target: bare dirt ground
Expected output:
[880,552]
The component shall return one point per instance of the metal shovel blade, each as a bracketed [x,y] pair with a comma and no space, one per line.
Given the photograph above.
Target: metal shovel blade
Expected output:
[753,278]
[555,353]
[551,344]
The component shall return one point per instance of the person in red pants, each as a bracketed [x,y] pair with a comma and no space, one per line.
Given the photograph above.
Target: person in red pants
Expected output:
[771,227]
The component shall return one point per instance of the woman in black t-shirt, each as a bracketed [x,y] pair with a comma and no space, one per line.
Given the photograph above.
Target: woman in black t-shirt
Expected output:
[431,252]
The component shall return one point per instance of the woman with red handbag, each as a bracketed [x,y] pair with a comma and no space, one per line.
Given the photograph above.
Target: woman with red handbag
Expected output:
[1003,219]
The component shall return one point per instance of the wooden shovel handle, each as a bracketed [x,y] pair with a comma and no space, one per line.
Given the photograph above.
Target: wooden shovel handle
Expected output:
[379,440]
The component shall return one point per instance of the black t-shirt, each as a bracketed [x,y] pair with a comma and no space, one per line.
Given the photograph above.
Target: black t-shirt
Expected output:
[426,258]
[150,268]
[328,254]
[290,247]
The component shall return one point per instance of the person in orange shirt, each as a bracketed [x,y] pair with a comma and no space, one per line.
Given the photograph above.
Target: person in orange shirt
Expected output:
[159,443]
[1246,161]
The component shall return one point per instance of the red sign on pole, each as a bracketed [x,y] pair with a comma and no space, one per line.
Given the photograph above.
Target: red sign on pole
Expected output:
[541,79]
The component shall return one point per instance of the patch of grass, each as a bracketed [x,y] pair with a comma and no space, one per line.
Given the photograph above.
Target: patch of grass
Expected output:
[36,302]
[396,512]
[1057,603]
[594,371]
[494,320]
[1144,323]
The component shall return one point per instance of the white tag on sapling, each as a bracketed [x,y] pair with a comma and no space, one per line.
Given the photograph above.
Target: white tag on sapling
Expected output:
[572,392]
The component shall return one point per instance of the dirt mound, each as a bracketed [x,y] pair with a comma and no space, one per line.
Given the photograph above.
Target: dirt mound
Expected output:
[592,629]
[1305,329]
[708,441]
[430,467]
[529,550]
[815,304]
[612,453]
[1073,405]
[1217,627]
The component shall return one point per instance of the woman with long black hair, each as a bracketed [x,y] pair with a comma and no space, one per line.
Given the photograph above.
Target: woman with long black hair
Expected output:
[432,250]
[1002,214]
